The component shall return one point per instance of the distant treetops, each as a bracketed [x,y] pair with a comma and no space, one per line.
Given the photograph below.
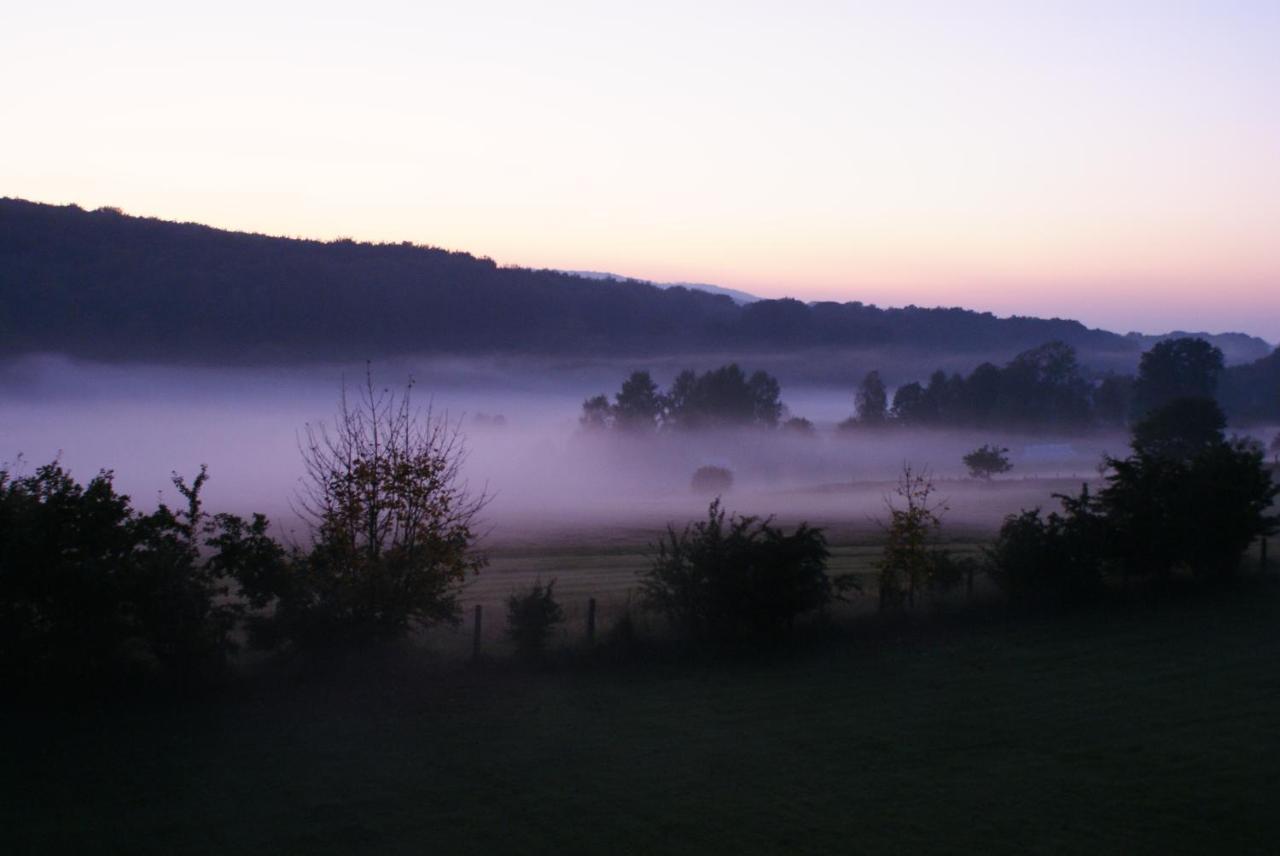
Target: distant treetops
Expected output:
[1042,388]
[723,397]
[1045,387]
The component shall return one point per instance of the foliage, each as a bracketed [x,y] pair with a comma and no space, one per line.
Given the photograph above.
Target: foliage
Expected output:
[1041,387]
[871,401]
[1199,511]
[987,460]
[1056,559]
[738,579]
[1187,498]
[1174,369]
[723,397]
[910,561]
[1180,429]
[712,479]
[532,616]
[92,591]
[639,404]
[394,527]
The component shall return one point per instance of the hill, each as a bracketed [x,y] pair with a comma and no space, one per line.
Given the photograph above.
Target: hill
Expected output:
[105,285]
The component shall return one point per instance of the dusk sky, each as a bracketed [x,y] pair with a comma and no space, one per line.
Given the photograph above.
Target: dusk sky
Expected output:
[1116,162]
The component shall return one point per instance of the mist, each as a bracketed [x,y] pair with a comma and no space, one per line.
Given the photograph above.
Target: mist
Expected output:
[545,478]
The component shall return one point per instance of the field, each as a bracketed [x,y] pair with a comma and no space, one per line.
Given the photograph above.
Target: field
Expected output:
[1139,729]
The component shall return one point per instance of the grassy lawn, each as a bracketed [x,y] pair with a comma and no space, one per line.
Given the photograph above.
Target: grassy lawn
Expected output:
[1141,730]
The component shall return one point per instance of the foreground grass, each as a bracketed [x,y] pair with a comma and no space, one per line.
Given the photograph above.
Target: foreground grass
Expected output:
[1140,730]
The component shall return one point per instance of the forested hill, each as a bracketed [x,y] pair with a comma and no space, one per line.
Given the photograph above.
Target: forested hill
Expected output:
[101,284]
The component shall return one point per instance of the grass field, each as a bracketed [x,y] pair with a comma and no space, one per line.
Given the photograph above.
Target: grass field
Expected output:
[1146,729]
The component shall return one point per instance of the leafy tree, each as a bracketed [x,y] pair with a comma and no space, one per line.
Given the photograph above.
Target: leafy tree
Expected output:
[724,397]
[532,616]
[1112,400]
[872,401]
[597,414]
[1173,369]
[910,559]
[1275,447]
[638,405]
[738,579]
[1180,429]
[987,460]
[394,526]
[1186,498]
[909,404]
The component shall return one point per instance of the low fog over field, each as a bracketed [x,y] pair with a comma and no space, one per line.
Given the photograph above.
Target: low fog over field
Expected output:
[547,479]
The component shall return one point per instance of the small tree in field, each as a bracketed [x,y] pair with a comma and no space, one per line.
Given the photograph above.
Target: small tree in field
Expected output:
[987,461]
[394,526]
[910,562]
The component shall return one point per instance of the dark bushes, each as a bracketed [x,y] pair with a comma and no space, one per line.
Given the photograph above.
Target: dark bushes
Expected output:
[738,579]
[93,592]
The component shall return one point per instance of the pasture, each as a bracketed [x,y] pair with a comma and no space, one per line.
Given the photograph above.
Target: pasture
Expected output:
[1137,729]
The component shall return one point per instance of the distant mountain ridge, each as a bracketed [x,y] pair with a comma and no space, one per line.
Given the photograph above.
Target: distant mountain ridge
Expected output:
[105,285]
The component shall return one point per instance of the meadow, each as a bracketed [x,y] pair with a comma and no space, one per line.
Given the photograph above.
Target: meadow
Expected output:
[1138,728]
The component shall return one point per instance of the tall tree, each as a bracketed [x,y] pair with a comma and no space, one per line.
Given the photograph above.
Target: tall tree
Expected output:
[872,401]
[1176,368]
[639,404]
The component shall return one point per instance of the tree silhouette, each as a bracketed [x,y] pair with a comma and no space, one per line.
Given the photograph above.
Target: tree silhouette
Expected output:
[394,524]
[987,461]
[871,401]
[1173,369]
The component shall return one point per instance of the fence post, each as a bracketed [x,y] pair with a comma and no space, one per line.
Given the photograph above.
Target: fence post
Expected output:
[475,637]
[591,621]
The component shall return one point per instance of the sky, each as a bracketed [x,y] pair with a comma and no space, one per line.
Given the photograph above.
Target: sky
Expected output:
[1116,162]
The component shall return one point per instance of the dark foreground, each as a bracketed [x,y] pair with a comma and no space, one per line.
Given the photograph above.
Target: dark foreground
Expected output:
[1150,729]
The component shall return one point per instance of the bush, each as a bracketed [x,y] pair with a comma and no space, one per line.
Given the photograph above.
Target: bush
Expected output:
[1054,560]
[712,480]
[531,617]
[737,579]
[93,592]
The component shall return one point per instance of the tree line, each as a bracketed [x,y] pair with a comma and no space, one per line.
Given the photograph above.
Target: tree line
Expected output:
[1045,388]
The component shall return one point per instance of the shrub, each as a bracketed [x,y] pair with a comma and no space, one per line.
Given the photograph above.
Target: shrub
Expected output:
[531,617]
[92,591]
[740,578]
[1056,559]
[712,480]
